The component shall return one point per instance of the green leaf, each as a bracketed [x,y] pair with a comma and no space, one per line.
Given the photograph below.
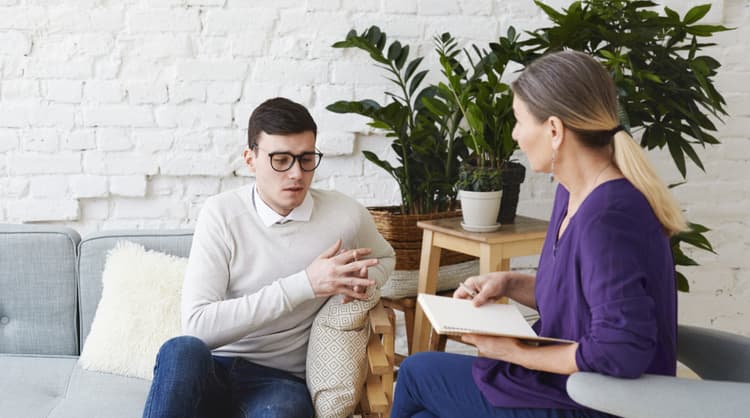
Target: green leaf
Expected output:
[674,16]
[342,106]
[698,240]
[380,44]
[377,124]
[704,30]
[474,117]
[373,35]
[401,59]
[696,13]
[679,159]
[692,154]
[682,282]
[412,67]
[694,236]
[698,228]
[681,259]
[651,76]
[436,106]
[553,14]
[416,80]
[394,50]
[607,54]
[385,165]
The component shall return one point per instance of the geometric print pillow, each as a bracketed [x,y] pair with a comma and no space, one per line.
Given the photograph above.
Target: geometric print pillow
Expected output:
[337,355]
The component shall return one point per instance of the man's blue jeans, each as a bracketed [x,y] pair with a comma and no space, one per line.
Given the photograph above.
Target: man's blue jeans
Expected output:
[190,382]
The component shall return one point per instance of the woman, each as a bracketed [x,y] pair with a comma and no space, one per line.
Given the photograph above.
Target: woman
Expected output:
[605,276]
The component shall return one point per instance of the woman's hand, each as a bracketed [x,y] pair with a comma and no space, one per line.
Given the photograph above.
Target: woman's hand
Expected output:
[488,287]
[498,348]
[552,358]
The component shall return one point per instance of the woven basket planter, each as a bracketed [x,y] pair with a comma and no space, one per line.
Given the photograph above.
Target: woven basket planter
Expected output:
[405,237]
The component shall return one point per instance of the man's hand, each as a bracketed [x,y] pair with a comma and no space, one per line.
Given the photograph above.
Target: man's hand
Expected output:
[357,289]
[333,273]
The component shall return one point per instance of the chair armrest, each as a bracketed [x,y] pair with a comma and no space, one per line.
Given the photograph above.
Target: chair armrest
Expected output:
[379,321]
[378,395]
[714,354]
[659,396]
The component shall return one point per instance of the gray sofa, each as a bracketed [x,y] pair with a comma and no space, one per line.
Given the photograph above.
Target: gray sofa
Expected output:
[50,285]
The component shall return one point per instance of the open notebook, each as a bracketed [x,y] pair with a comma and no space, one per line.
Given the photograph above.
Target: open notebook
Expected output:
[458,316]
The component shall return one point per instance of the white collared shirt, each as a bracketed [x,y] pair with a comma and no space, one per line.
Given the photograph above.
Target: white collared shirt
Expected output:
[269,216]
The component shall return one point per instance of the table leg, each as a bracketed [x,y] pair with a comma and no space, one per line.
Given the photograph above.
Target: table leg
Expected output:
[428,272]
[491,259]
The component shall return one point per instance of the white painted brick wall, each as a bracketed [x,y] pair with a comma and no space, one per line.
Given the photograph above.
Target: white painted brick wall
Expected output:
[130,114]
[131,186]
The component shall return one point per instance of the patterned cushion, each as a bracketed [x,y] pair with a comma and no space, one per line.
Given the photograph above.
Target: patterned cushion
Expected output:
[337,355]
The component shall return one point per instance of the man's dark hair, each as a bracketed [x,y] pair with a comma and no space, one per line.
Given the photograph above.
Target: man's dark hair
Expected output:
[279,116]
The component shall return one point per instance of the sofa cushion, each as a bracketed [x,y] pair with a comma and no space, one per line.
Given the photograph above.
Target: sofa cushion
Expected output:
[38,289]
[93,251]
[94,394]
[54,387]
[139,311]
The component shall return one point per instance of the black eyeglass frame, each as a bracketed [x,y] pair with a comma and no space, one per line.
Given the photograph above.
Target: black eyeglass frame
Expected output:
[296,158]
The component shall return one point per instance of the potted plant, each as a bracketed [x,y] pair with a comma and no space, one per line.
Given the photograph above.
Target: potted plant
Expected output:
[480,190]
[665,86]
[424,142]
[485,104]
[426,152]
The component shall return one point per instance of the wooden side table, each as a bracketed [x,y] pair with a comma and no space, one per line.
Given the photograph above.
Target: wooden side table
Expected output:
[494,249]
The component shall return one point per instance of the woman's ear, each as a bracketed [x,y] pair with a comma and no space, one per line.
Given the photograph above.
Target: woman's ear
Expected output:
[557,131]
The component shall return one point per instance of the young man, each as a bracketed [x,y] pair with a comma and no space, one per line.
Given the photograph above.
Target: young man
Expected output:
[264,259]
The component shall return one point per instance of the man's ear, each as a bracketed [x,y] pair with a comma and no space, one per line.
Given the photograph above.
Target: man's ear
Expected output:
[556,131]
[249,157]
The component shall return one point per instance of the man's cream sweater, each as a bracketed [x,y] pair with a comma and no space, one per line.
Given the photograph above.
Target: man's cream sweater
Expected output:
[246,293]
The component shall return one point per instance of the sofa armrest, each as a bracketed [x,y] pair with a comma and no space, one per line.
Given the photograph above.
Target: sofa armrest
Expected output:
[714,354]
[659,396]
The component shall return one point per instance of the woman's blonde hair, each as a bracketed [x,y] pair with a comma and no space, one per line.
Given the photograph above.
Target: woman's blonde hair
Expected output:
[577,89]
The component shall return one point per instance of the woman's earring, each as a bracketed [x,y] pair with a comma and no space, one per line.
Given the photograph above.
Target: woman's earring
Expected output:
[552,167]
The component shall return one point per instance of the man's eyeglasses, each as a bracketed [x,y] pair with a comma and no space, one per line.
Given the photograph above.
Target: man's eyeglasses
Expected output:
[283,161]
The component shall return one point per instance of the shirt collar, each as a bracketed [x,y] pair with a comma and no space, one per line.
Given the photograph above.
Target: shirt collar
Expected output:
[268,216]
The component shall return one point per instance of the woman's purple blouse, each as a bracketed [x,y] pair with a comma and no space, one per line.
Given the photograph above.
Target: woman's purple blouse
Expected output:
[608,282]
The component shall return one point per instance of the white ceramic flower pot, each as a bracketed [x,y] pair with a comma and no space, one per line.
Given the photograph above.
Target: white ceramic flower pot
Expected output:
[480,210]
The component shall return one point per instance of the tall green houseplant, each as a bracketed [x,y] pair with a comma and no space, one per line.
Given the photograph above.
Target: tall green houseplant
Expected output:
[422,140]
[665,85]
[485,104]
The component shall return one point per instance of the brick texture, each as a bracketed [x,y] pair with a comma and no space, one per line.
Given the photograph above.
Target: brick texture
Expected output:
[129,114]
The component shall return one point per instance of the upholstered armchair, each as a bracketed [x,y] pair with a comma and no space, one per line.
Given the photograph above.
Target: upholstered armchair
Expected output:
[720,358]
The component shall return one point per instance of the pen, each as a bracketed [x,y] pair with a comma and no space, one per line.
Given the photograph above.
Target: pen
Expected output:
[468,290]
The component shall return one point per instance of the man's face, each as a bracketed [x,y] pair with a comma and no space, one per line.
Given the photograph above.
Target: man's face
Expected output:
[285,190]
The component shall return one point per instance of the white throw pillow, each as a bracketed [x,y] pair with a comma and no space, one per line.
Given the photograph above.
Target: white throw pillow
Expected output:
[139,310]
